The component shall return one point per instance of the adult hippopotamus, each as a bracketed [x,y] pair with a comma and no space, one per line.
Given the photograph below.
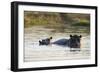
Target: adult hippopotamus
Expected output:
[72,42]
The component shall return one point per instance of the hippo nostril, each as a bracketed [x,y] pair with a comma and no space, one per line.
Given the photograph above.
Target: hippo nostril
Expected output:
[78,45]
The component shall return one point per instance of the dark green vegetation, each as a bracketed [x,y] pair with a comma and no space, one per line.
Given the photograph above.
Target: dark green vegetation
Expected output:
[63,22]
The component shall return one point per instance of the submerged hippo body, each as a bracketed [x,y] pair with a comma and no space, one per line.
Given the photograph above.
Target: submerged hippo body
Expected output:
[62,42]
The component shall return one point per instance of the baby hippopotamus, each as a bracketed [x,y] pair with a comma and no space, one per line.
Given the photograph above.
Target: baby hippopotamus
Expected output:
[45,41]
[72,42]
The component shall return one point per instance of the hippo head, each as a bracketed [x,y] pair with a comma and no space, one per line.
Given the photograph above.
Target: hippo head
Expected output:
[75,41]
[45,41]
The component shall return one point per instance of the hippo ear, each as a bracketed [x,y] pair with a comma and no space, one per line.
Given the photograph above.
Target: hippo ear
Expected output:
[39,41]
[80,36]
[70,35]
[50,37]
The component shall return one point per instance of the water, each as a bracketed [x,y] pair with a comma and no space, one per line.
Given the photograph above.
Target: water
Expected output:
[34,52]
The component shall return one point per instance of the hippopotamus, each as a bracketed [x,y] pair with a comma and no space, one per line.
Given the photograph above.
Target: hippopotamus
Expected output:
[72,42]
[45,41]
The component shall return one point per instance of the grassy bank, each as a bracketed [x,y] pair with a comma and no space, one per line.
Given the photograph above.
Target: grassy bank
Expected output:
[58,21]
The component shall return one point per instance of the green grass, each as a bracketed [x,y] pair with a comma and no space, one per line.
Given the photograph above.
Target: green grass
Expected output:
[83,23]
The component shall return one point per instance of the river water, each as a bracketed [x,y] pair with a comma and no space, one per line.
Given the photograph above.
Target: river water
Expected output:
[34,52]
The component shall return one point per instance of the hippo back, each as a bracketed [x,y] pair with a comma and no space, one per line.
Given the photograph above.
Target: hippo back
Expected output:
[63,42]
